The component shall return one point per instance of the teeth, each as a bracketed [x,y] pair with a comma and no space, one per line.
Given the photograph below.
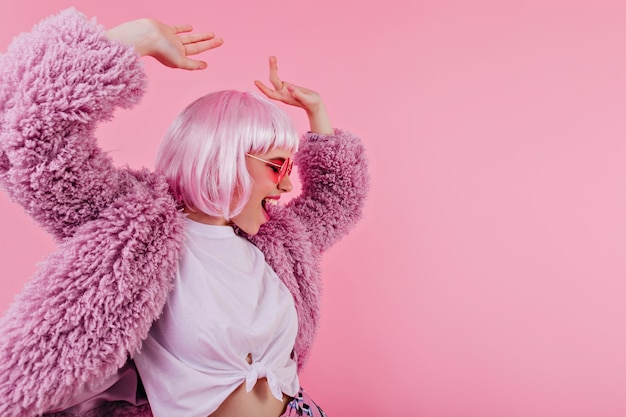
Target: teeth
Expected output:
[271,201]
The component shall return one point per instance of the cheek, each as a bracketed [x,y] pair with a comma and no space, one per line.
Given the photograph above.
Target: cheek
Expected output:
[265,176]
[269,176]
[261,175]
[264,184]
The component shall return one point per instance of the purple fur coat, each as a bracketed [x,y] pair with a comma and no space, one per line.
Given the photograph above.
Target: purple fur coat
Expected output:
[91,304]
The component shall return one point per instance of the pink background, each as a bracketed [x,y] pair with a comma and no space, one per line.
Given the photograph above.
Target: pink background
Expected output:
[488,275]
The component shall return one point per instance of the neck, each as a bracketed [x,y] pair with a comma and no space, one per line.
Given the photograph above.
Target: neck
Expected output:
[201,217]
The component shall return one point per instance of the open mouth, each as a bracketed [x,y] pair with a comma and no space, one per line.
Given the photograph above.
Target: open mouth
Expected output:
[268,202]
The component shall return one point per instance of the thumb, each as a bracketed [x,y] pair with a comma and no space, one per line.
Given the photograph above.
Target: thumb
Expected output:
[192,64]
[297,95]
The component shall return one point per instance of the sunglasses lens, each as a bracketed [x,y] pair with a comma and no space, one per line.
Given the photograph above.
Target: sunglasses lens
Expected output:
[285,169]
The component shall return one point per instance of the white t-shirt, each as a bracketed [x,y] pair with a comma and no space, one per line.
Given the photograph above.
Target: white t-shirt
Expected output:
[226,303]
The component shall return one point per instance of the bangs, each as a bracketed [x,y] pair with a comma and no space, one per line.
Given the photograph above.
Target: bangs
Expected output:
[265,127]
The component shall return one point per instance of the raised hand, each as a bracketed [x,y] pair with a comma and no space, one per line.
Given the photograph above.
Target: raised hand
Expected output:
[294,95]
[170,45]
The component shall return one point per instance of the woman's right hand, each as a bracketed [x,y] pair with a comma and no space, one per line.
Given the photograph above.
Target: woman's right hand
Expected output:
[294,95]
[170,45]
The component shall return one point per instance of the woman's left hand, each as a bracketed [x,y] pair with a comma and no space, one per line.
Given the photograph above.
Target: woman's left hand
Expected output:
[172,46]
[294,95]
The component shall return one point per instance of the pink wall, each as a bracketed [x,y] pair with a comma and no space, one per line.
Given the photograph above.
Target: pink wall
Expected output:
[487,278]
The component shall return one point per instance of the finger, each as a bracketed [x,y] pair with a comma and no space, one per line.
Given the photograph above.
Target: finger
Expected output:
[292,90]
[297,95]
[196,37]
[182,28]
[274,78]
[273,94]
[192,64]
[198,47]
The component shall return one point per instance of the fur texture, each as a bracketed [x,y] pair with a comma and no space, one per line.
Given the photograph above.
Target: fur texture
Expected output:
[92,302]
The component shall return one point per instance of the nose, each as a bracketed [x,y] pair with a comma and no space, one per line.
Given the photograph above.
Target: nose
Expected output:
[285,184]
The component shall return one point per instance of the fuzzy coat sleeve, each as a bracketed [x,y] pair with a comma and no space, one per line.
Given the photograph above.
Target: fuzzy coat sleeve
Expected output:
[92,302]
[56,83]
[335,183]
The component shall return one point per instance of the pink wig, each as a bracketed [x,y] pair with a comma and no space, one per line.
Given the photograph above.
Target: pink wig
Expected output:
[203,153]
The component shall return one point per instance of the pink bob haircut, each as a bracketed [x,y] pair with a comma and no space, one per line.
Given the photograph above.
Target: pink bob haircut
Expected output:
[203,154]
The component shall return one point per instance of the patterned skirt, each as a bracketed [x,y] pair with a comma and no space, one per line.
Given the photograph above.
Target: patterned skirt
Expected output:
[303,405]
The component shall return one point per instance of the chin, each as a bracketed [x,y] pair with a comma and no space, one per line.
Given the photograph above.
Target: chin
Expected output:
[252,232]
[249,224]
[249,229]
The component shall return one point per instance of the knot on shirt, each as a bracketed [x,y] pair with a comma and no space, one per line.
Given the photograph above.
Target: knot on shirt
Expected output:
[258,370]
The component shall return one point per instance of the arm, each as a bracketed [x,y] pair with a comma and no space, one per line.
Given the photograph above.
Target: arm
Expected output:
[56,84]
[335,183]
[331,163]
[91,302]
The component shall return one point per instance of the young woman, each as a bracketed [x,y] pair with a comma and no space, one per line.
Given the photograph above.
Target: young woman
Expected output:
[189,281]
